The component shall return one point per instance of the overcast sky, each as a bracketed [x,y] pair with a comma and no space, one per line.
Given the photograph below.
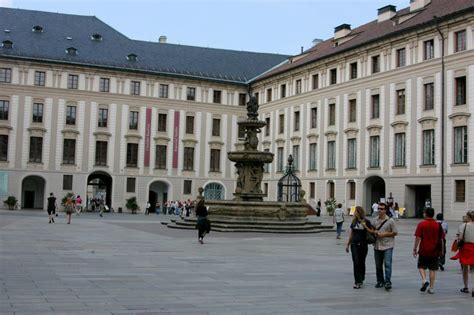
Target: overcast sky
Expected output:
[274,26]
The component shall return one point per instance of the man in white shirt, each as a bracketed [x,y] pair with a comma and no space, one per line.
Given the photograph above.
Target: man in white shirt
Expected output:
[338,219]
[375,209]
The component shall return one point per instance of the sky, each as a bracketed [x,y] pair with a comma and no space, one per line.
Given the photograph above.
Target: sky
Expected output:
[273,26]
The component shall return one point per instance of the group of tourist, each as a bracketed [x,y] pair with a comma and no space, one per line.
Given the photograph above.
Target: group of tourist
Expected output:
[177,207]
[429,246]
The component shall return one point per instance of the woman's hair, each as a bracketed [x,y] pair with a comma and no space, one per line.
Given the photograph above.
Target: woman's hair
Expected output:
[359,214]
[470,214]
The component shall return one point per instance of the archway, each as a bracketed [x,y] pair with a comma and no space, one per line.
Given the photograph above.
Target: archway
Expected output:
[99,186]
[374,190]
[214,191]
[32,192]
[158,192]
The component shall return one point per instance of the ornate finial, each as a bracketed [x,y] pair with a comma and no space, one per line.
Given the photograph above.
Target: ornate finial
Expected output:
[290,160]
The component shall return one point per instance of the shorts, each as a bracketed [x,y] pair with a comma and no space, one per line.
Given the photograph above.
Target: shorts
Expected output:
[425,262]
[51,211]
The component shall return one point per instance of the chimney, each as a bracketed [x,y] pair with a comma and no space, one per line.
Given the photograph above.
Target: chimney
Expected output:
[342,30]
[386,13]
[317,41]
[162,39]
[418,4]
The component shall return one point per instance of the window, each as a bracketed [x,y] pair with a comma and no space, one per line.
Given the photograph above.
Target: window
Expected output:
[256,96]
[160,158]
[314,117]
[460,145]
[428,52]
[132,154]
[242,99]
[70,115]
[67,182]
[217,96]
[104,85]
[5,75]
[296,157]
[163,93]
[190,125]
[351,153]
[375,106]
[133,121]
[266,166]
[331,155]
[72,81]
[131,184]
[241,132]
[352,190]
[297,121]
[332,189]
[298,87]
[191,94]
[374,154]
[283,91]
[353,74]
[101,153]
[7,44]
[69,151]
[315,81]
[428,147]
[215,160]
[265,188]
[188,162]
[71,51]
[312,157]
[216,127]
[282,123]
[401,57]
[38,112]
[4,108]
[400,149]
[36,149]
[376,64]
[401,102]
[3,147]
[429,96]
[162,122]
[280,159]
[267,127]
[40,78]
[332,115]
[333,76]
[312,190]
[135,87]
[187,187]
[103,113]
[460,90]
[269,95]
[460,41]
[460,190]
[352,110]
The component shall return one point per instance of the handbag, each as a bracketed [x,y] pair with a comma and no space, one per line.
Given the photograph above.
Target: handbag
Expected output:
[371,237]
[458,244]
[455,246]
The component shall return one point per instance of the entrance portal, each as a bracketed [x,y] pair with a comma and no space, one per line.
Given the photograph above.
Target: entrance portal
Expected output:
[158,193]
[374,188]
[99,186]
[214,191]
[415,198]
[32,192]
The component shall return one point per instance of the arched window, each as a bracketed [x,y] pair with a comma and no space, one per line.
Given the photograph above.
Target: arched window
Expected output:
[7,44]
[37,29]
[71,51]
[96,37]
[214,191]
[132,57]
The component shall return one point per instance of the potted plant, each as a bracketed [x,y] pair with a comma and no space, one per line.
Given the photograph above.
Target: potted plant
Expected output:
[132,204]
[330,206]
[10,202]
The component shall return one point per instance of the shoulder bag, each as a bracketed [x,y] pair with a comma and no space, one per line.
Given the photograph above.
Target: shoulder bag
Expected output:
[458,244]
[371,237]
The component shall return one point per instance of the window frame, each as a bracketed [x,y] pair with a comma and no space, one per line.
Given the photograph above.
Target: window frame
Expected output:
[215,160]
[4,140]
[401,102]
[4,109]
[460,41]
[401,57]
[163,91]
[104,85]
[162,122]
[36,150]
[71,112]
[375,106]
[101,152]
[428,96]
[460,85]
[428,49]
[332,114]
[40,78]
[188,159]
[353,71]
[161,156]
[190,93]
[69,152]
[428,147]
[399,158]
[460,145]
[374,151]
[216,127]
[37,113]
[5,75]
[133,120]
[217,96]
[132,155]
[375,66]
[459,190]
[189,125]
[73,81]
[135,87]
[331,155]
[352,115]
[314,117]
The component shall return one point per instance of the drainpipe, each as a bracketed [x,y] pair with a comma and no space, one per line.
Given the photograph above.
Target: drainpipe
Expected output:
[442,112]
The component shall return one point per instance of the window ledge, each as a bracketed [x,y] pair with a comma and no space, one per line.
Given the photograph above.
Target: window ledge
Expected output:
[427,166]
[373,168]
[459,164]
[131,167]
[399,167]
[100,165]
[351,169]
[215,172]
[313,170]
[160,169]
[330,170]
[35,163]
[67,164]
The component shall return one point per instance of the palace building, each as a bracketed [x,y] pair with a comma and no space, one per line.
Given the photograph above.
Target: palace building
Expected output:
[382,110]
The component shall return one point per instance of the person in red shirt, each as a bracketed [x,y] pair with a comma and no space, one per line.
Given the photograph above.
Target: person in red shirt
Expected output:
[429,235]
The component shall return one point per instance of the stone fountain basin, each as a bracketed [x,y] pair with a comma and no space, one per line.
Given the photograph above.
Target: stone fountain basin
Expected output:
[250,156]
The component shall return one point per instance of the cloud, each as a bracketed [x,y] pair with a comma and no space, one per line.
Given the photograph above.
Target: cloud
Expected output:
[6,3]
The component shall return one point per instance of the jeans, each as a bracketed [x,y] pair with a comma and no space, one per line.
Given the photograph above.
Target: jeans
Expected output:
[339,228]
[359,254]
[383,258]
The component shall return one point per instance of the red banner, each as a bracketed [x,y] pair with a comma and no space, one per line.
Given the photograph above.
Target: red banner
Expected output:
[147,137]
[176,139]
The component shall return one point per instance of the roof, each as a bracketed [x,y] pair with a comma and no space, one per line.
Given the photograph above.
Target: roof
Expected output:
[62,31]
[373,31]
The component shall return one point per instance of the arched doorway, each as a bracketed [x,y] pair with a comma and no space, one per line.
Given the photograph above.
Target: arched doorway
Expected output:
[99,186]
[374,189]
[158,192]
[214,191]
[32,192]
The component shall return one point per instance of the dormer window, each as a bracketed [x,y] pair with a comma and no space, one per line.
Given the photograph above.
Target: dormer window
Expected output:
[7,44]
[37,29]
[96,37]
[132,57]
[71,51]
[68,37]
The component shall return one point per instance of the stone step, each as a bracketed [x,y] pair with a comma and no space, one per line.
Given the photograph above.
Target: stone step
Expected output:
[233,221]
[256,229]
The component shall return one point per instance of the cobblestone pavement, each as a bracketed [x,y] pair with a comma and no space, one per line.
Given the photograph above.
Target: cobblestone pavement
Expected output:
[131,264]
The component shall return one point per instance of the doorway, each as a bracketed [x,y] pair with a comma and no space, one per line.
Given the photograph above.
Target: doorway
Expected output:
[416,197]
[99,186]
[32,192]
[374,190]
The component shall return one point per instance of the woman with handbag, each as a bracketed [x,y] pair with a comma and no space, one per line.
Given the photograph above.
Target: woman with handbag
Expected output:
[360,235]
[465,254]
[203,224]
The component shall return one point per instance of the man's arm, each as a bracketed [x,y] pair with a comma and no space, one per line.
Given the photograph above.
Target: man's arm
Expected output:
[415,247]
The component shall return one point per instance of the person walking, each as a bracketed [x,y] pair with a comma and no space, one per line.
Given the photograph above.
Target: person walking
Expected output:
[442,257]
[385,232]
[338,219]
[147,208]
[429,235]
[203,224]
[358,244]
[51,207]
[375,209]
[466,251]
[78,205]
[68,208]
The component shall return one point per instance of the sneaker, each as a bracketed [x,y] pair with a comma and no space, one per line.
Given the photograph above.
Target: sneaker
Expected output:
[425,286]
[52,219]
[379,285]
[357,286]
[431,290]
[388,286]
